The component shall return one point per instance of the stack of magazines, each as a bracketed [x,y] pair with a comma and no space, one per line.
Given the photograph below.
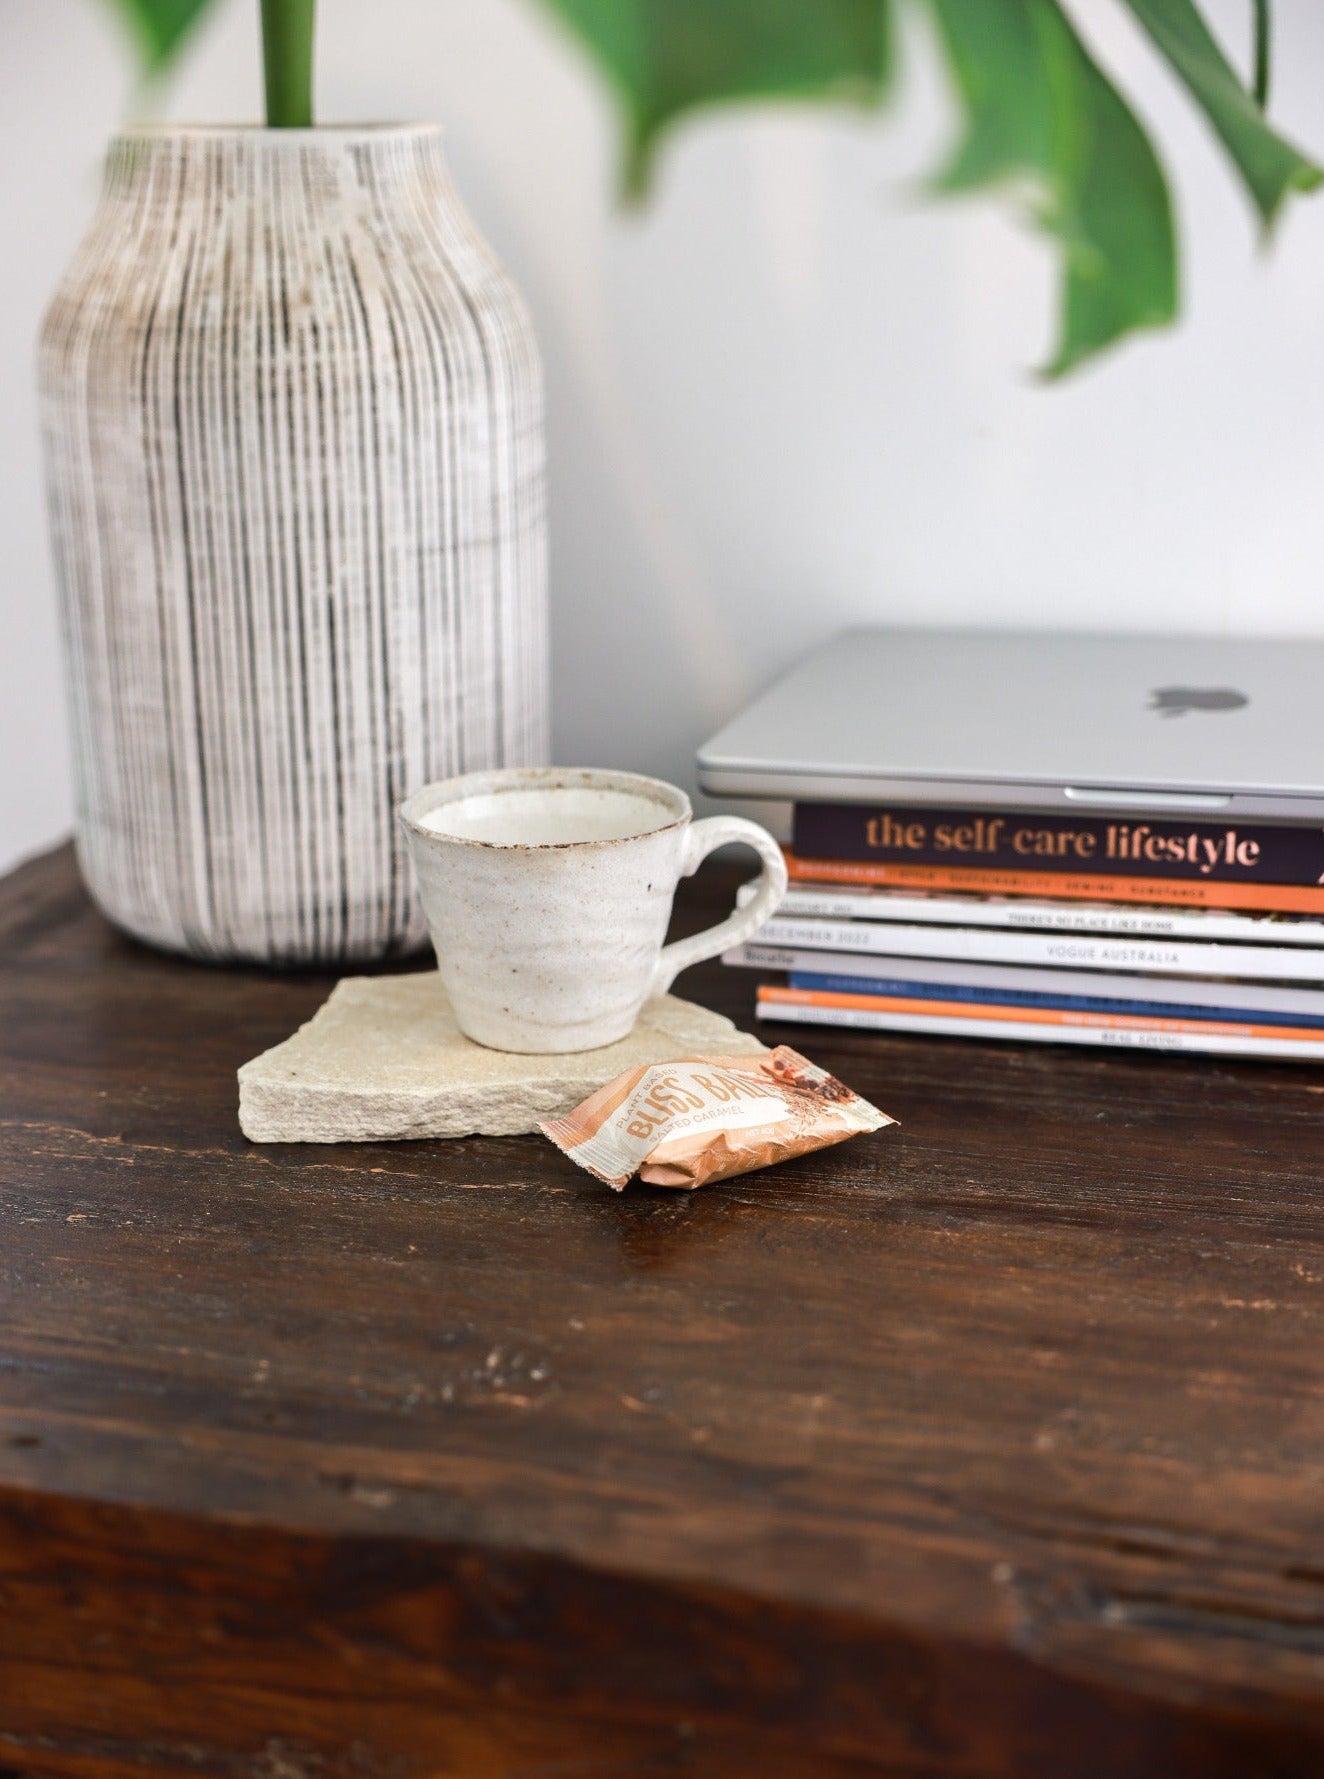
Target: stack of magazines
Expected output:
[1090,929]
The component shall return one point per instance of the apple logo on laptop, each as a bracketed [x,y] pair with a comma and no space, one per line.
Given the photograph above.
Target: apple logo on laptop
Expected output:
[1175,701]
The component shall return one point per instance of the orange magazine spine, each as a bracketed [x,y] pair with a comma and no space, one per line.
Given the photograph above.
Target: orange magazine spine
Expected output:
[1269,898]
[818,997]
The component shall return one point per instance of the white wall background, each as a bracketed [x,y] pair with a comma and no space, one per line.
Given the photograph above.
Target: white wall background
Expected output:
[784,398]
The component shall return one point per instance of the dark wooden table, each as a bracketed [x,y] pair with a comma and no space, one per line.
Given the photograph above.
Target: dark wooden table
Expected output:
[989,1446]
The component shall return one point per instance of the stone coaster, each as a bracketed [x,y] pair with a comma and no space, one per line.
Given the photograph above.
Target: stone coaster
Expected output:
[383,1059]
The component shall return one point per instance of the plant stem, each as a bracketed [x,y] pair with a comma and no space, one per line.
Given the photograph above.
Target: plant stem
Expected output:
[287,59]
[1261,79]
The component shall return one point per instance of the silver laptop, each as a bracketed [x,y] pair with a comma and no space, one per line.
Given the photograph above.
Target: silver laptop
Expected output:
[1033,720]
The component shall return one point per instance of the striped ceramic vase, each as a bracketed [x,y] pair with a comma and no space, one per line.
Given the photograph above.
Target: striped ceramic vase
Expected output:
[292,413]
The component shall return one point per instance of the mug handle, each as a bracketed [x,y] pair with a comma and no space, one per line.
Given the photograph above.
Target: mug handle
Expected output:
[702,838]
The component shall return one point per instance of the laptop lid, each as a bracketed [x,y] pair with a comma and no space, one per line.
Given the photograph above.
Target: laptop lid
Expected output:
[1037,720]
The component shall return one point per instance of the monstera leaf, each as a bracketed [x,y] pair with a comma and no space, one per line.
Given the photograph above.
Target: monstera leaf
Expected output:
[1041,120]
[668,56]
[1270,167]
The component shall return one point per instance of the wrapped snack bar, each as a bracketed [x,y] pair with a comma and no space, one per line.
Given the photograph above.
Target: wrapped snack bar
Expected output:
[706,1118]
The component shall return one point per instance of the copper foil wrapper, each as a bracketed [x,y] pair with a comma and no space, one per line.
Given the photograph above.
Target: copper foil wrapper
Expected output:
[698,1119]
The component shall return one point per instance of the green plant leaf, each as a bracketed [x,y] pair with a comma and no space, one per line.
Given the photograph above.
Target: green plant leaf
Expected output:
[161,26]
[669,56]
[1040,116]
[1271,168]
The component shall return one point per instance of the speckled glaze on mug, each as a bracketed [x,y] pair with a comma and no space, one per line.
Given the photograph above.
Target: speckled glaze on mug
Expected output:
[548,892]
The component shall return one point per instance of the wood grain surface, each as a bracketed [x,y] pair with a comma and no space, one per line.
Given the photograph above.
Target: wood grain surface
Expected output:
[988,1446]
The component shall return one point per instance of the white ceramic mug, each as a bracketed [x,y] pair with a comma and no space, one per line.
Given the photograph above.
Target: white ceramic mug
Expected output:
[548,894]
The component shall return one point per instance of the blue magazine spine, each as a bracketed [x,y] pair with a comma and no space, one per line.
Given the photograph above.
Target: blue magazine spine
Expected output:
[1024,997]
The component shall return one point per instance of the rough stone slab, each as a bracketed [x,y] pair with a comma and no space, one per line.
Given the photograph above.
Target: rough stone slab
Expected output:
[383,1059]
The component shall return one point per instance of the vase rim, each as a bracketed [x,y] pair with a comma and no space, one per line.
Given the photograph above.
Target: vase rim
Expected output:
[322,133]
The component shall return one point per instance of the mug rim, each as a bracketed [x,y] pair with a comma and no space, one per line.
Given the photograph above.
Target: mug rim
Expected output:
[671,800]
